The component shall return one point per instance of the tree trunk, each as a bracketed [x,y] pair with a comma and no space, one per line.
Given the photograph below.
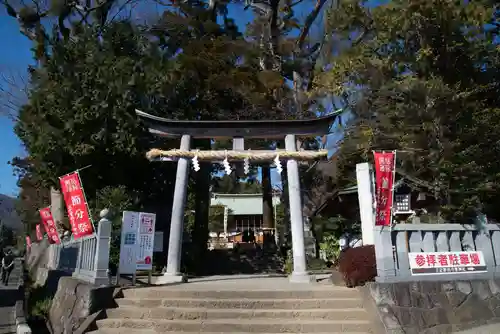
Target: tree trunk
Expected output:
[286,236]
[267,197]
[202,204]
[57,208]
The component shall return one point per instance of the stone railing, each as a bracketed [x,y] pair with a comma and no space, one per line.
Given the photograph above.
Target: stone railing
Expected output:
[393,245]
[88,257]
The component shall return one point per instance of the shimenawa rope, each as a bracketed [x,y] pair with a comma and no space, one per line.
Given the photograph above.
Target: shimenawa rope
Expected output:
[236,155]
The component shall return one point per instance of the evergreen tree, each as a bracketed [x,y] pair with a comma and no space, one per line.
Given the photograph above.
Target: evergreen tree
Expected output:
[421,77]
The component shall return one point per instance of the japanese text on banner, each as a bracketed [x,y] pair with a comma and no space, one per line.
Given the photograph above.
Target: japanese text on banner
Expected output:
[39,234]
[49,225]
[28,242]
[384,180]
[74,198]
[446,262]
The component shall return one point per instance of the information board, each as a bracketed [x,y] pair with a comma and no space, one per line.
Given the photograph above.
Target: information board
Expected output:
[137,241]
[146,241]
[128,243]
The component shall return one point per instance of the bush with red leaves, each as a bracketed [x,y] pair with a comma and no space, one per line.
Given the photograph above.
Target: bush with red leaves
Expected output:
[358,265]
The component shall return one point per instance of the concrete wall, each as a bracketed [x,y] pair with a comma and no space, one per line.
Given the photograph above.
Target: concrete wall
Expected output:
[242,204]
[392,246]
[436,307]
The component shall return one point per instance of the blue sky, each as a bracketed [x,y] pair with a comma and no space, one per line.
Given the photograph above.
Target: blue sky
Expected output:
[15,57]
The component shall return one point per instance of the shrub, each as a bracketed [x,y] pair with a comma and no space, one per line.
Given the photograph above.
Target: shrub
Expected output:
[357,265]
[288,267]
[330,248]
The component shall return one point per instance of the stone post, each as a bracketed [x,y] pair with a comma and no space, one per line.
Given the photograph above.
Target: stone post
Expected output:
[101,260]
[299,274]
[173,274]
[364,177]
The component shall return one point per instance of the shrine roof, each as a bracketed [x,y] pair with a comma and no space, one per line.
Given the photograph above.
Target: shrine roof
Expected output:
[237,128]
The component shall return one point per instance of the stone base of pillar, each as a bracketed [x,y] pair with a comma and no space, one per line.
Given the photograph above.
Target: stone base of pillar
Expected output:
[23,329]
[167,279]
[303,277]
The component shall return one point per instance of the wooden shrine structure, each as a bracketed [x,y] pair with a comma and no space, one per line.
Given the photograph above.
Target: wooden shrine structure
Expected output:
[237,130]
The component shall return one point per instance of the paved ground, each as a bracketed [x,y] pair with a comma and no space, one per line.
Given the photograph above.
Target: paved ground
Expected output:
[487,329]
[249,282]
[8,295]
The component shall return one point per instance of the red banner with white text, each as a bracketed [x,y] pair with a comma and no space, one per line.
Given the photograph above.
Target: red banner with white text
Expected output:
[28,242]
[39,234]
[384,180]
[78,213]
[49,225]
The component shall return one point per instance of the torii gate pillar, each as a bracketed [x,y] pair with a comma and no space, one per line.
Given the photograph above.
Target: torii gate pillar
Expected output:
[299,274]
[173,273]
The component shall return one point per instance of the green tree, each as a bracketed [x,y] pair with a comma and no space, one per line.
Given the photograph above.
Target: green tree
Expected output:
[421,77]
[216,218]
[7,236]
[94,69]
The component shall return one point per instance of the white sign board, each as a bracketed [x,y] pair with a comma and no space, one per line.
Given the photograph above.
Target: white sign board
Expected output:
[431,263]
[137,240]
[146,241]
[128,244]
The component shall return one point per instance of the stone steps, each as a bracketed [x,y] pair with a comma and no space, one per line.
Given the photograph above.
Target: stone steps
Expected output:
[169,313]
[245,305]
[248,304]
[239,325]
[162,293]
[152,331]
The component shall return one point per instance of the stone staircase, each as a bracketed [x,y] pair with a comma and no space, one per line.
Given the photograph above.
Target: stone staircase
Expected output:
[264,305]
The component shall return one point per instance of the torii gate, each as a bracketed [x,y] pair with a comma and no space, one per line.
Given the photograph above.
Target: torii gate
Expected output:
[237,130]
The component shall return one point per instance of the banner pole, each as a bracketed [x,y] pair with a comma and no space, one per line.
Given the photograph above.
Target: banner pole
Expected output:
[75,171]
[393,187]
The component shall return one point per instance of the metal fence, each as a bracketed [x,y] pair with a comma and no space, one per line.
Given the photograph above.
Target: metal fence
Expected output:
[86,258]
[393,245]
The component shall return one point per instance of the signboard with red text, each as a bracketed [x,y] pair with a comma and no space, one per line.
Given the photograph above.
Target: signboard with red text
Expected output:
[49,225]
[384,180]
[146,241]
[137,241]
[446,263]
[78,213]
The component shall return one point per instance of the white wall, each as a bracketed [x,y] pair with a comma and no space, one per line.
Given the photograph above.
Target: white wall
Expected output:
[242,204]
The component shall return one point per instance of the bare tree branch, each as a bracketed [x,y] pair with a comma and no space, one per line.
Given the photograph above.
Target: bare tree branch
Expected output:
[13,93]
[308,23]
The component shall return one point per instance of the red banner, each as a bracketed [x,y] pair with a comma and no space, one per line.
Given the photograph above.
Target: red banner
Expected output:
[78,213]
[28,242]
[50,226]
[39,234]
[384,180]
